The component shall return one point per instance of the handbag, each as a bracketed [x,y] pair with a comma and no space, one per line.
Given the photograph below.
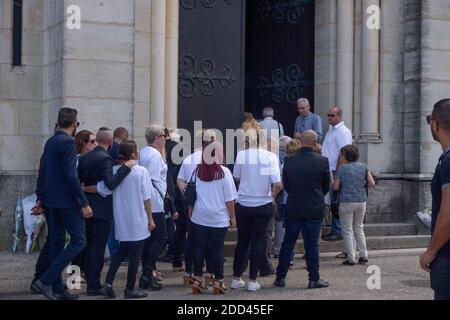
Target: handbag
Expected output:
[190,191]
[334,206]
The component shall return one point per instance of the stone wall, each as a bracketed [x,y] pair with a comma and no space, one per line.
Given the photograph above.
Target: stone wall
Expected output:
[98,64]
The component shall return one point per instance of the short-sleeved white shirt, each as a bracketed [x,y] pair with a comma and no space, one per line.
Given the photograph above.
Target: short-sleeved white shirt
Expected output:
[189,165]
[130,217]
[336,138]
[257,170]
[210,208]
[152,160]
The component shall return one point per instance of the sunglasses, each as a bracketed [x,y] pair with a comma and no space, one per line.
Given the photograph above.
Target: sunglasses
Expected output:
[429,119]
[92,141]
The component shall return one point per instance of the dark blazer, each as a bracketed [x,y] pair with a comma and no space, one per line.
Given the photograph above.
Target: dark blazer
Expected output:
[94,167]
[58,185]
[306,178]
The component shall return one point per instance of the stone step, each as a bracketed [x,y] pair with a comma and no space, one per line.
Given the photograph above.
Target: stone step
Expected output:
[371,230]
[373,243]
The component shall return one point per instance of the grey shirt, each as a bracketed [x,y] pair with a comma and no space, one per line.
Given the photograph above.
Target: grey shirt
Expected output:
[270,124]
[353,182]
[310,122]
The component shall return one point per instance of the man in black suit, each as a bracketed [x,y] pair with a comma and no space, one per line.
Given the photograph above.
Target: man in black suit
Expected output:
[94,167]
[67,206]
[306,179]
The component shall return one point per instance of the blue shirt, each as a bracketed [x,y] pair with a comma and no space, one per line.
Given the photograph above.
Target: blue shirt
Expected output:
[310,122]
[441,181]
[353,182]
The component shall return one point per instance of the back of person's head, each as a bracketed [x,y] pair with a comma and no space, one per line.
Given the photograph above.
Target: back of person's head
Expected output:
[81,138]
[268,112]
[248,116]
[350,153]
[154,131]
[210,168]
[284,140]
[441,113]
[209,135]
[67,117]
[293,146]
[104,136]
[121,133]
[126,150]
[309,139]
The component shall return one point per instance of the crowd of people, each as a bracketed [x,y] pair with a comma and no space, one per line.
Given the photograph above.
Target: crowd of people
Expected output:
[105,193]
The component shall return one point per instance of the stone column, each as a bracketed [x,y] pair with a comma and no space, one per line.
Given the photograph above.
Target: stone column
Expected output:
[157,64]
[345,46]
[171,90]
[370,129]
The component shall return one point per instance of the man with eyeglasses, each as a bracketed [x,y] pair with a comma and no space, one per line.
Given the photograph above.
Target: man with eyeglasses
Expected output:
[337,137]
[436,259]
[307,120]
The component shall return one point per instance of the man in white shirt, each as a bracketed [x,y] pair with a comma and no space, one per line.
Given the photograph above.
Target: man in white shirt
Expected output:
[337,137]
[151,159]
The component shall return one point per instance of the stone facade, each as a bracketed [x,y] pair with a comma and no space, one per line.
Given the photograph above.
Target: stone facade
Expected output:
[121,69]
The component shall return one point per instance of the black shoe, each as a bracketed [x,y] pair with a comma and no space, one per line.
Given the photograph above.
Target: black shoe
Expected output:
[348,263]
[95,292]
[44,289]
[32,289]
[332,237]
[280,283]
[149,283]
[363,260]
[109,292]
[134,294]
[66,296]
[318,284]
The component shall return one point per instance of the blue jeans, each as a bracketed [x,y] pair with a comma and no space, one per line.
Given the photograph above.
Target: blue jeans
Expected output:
[311,237]
[72,220]
[113,244]
[440,278]
[335,227]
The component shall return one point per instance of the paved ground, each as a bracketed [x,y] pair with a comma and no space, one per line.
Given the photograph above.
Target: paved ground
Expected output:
[401,278]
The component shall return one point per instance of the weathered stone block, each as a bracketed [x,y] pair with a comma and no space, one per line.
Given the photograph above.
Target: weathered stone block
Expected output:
[5,47]
[143,13]
[20,153]
[32,48]
[31,118]
[5,14]
[34,15]
[96,113]
[142,84]
[103,42]
[89,79]
[21,82]
[9,118]
[141,118]
[111,11]
[142,49]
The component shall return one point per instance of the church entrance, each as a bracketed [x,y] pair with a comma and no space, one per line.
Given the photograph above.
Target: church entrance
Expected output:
[238,56]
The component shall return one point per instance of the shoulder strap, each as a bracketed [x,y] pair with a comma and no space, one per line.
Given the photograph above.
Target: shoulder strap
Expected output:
[160,193]
[194,173]
[279,129]
[366,184]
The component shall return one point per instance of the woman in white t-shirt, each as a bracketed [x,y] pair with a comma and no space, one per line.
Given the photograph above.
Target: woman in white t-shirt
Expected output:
[133,219]
[212,214]
[258,173]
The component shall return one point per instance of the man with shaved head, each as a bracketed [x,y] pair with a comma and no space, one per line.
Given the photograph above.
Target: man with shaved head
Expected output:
[337,137]
[94,167]
[306,179]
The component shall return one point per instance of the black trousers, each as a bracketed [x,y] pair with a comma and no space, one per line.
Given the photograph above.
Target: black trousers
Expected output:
[131,250]
[42,262]
[252,223]
[154,244]
[97,232]
[180,235]
[208,245]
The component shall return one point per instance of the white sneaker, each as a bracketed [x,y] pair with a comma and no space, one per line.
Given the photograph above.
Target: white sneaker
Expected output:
[253,286]
[237,284]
